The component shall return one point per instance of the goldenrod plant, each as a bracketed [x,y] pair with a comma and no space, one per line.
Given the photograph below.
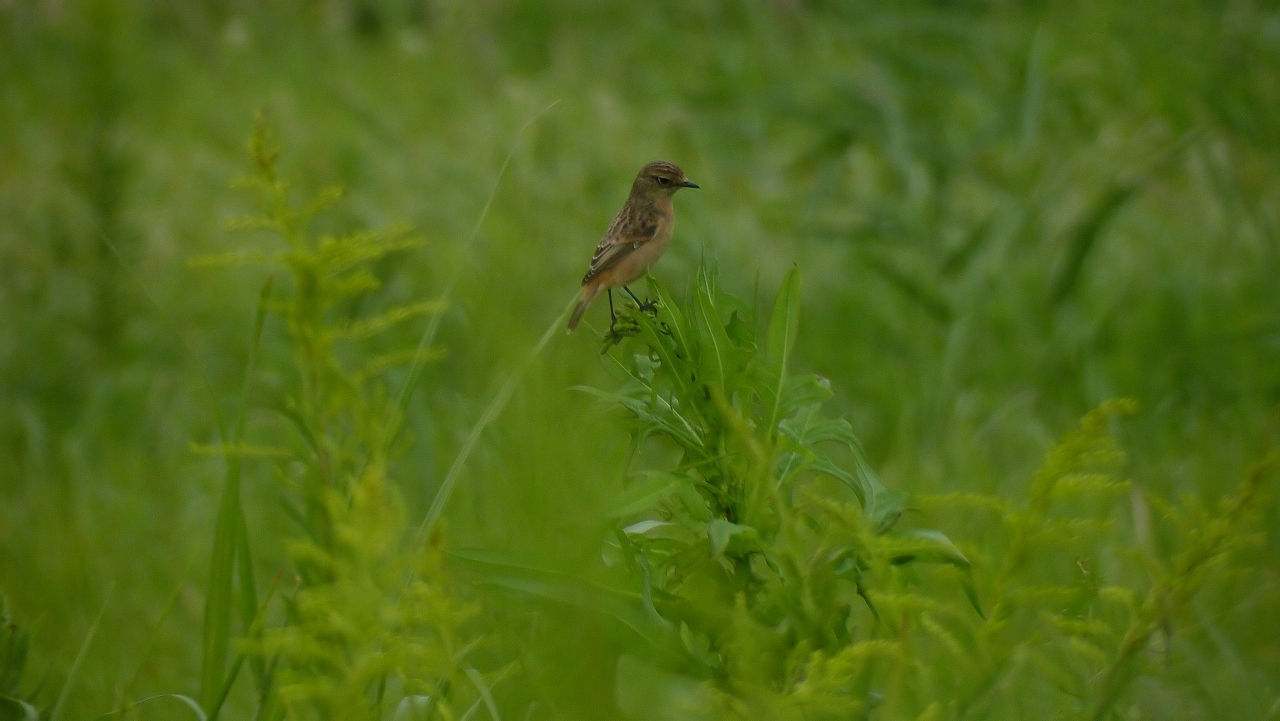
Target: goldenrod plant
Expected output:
[372,620]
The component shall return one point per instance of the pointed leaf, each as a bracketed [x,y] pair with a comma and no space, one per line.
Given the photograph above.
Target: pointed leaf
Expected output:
[642,496]
[865,492]
[805,430]
[928,546]
[800,392]
[718,352]
[29,712]
[662,530]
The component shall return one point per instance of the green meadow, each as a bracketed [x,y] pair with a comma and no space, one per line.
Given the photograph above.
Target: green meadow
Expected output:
[958,398]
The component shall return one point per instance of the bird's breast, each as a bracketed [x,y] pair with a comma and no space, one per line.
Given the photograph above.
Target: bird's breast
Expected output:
[640,260]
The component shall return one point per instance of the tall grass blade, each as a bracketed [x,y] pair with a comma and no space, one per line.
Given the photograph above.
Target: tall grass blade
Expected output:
[229,542]
[254,632]
[244,564]
[217,609]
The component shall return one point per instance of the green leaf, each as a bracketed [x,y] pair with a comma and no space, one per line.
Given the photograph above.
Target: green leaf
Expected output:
[741,332]
[858,483]
[718,350]
[693,502]
[806,431]
[887,509]
[930,546]
[666,420]
[731,538]
[642,496]
[784,325]
[652,529]
[802,392]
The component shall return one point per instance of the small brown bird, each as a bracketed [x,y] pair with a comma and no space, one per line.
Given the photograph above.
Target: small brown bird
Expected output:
[636,238]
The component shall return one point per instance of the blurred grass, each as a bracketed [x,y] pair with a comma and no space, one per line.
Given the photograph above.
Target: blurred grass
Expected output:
[1006,214]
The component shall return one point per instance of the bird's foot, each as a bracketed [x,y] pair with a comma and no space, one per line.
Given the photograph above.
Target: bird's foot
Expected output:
[649,306]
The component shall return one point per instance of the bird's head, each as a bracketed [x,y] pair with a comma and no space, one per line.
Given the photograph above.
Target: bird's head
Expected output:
[661,178]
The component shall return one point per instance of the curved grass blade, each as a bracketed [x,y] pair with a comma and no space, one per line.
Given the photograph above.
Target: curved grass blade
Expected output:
[1084,237]
[56,712]
[186,700]
[29,712]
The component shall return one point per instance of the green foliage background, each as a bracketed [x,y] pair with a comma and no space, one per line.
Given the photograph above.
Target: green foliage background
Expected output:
[1005,214]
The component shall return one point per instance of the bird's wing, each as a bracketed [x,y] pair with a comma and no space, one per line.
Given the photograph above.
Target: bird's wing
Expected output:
[625,235]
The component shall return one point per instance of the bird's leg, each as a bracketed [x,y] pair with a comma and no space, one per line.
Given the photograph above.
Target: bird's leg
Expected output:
[613,319]
[648,306]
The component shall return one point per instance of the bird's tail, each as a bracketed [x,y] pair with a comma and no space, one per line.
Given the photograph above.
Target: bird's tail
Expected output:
[584,301]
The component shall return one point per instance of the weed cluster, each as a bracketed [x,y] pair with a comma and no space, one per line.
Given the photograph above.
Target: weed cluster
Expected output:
[784,595]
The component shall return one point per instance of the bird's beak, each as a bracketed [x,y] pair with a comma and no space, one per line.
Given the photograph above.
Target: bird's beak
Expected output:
[688,184]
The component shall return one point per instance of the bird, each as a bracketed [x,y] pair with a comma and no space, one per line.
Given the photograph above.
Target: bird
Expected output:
[635,239]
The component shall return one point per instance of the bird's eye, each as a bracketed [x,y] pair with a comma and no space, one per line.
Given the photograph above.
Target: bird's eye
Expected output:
[663,181]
